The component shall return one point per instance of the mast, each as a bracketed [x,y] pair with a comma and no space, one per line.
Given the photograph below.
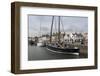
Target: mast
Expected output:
[40,33]
[59,29]
[62,28]
[40,29]
[51,29]
[55,30]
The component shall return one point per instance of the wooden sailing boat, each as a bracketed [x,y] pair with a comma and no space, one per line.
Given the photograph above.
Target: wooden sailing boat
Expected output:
[59,45]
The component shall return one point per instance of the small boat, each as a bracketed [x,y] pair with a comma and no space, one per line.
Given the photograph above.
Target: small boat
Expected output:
[40,40]
[57,46]
[31,42]
[41,44]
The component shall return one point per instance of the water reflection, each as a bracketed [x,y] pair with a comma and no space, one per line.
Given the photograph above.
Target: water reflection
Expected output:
[41,53]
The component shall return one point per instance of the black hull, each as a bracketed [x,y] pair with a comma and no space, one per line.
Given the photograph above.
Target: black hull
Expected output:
[32,42]
[64,50]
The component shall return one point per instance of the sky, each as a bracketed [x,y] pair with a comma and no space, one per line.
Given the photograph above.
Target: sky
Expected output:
[38,25]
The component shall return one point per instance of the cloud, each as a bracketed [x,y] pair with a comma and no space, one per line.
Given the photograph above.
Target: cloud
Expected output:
[44,28]
[70,24]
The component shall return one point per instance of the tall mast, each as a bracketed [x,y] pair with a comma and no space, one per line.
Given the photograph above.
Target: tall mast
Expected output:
[51,29]
[56,30]
[40,29]
[59,29]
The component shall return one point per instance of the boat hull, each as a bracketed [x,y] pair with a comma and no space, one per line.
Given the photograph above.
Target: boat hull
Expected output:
[63,50]
[31,42]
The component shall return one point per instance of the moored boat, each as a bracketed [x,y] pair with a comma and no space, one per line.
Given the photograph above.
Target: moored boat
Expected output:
[59,45]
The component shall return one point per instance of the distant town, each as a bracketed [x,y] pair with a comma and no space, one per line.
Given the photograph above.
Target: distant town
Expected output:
[72,38]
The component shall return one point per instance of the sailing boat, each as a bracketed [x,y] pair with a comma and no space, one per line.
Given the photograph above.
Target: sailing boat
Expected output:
[40,41]
[58,45]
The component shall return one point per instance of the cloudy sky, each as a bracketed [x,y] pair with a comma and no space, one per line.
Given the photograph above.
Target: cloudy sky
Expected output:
[70,24]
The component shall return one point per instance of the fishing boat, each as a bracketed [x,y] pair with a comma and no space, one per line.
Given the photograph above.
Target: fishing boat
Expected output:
[59,45]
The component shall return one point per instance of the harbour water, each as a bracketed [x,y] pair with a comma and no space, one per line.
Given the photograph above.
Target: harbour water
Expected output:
[42,53]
